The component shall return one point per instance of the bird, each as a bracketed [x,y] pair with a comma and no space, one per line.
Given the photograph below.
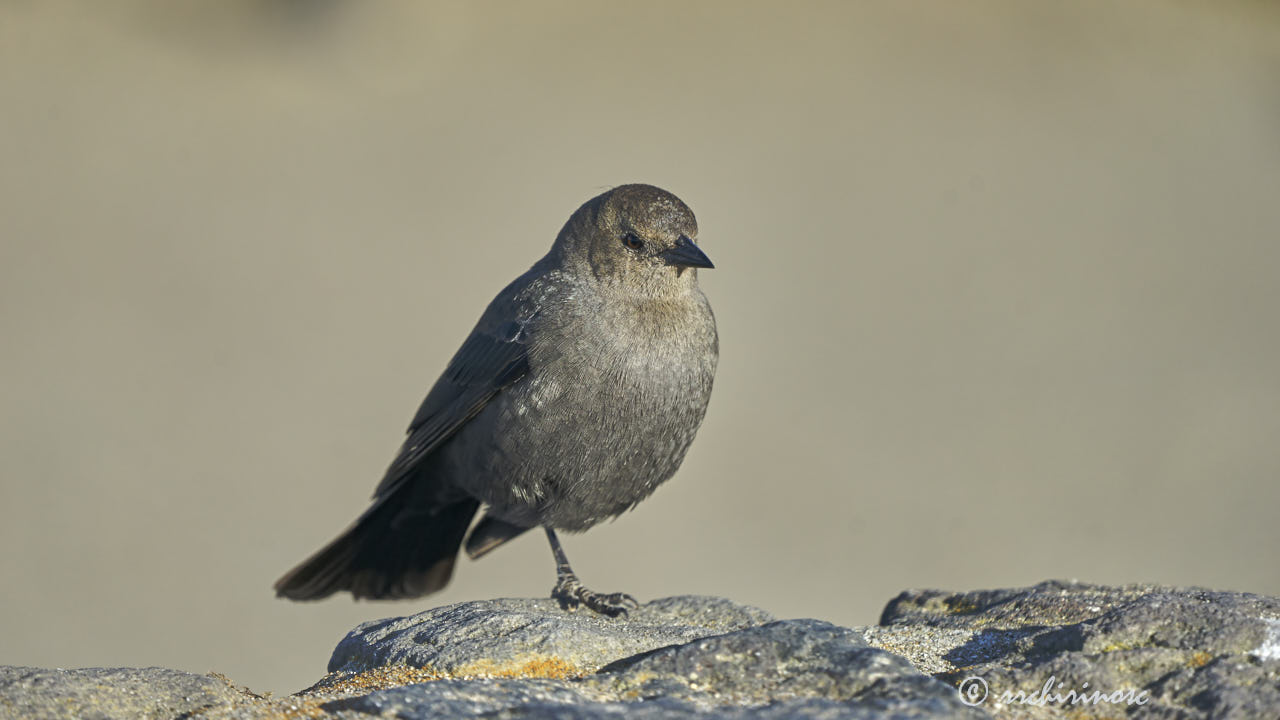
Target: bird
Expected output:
[578,393]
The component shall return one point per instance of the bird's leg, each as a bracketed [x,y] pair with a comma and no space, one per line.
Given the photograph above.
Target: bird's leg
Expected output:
[571,593]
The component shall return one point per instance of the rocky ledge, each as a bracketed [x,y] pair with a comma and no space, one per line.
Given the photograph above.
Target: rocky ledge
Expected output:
[1053,650]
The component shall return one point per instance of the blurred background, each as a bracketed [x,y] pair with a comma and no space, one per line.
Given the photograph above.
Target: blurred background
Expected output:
[997,287]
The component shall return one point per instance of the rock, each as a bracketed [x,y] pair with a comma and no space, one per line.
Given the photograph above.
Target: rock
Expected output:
[533,636]
[1185,653]
[675,657]
[100,693]
[1190,653]
[786,659]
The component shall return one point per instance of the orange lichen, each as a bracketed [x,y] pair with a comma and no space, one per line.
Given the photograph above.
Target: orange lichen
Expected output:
[391,676]
[298,710]
[379,678]
[537,667]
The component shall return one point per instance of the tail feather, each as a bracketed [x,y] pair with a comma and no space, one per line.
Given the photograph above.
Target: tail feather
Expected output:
[489,533]
[390,553]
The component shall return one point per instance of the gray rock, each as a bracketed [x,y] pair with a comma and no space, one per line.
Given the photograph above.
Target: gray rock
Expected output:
[1191,653]
[461,698]
[102,693]
[786,659]
[505,698]
[1188,653]
[786,669]
[533,636]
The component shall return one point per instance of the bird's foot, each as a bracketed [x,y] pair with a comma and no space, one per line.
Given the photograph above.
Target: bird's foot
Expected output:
[571,593]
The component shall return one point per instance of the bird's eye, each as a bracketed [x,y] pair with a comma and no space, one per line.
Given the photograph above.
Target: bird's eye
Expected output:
[632,241]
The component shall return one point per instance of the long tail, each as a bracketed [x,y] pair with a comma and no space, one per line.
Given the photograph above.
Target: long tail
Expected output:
[391,552]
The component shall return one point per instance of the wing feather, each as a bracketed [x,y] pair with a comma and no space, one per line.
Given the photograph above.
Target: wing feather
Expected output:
[485,364]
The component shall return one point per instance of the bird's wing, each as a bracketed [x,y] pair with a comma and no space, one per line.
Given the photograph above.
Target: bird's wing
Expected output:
[487,362]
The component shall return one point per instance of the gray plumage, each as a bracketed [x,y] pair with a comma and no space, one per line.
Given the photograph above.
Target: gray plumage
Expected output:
[578,392]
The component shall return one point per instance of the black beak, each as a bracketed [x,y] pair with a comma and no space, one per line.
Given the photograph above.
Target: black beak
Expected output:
[686,254]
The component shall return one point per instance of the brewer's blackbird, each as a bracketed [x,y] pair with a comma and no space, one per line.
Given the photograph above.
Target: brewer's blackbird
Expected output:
[578,393]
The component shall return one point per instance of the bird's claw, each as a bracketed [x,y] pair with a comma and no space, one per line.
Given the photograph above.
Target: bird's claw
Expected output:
[571,594]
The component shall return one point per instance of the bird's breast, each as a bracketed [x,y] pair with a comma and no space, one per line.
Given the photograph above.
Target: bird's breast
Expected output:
[605,414]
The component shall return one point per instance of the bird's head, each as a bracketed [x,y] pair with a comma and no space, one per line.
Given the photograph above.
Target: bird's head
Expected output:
[637,238]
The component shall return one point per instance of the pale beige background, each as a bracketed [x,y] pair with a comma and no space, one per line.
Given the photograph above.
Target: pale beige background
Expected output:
[997,287]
